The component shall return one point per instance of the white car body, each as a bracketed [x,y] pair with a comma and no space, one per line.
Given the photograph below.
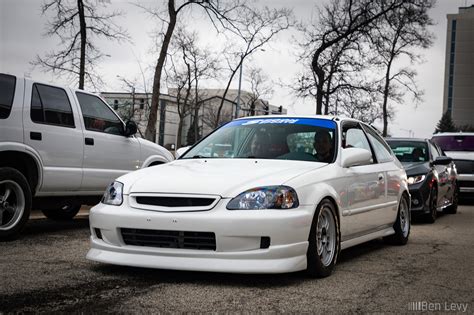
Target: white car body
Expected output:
[370,213]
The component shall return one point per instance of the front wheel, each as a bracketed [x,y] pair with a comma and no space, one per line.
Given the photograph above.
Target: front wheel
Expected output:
[324,241]
[66,212]
[15,203]
[402,224]
[433,204]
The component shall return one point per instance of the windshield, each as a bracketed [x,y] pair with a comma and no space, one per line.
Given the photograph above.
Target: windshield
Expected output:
[303,139]
[455,143]
[410,151]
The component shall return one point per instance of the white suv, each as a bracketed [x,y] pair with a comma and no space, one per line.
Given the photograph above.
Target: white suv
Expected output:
[59,149]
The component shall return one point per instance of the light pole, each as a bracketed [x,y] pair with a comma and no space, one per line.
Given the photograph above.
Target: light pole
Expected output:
[411,134]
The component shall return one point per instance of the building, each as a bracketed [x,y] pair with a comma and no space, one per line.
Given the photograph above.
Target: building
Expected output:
[169,116]
[459,67]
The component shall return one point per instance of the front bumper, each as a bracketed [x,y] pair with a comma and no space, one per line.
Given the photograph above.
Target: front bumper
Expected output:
[238,236]
[420,194]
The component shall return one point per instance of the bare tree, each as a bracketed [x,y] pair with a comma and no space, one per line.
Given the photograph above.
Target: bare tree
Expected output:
[77,23]
[343,20]
[189,64]
[255,30]
[221,13]
[260,87]
[405,28]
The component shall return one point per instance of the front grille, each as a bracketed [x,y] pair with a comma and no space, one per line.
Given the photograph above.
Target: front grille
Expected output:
[169,239]
[466,183]
[175,201]
[464,166]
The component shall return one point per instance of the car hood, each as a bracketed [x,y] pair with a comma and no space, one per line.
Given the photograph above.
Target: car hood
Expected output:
[460,155]
[416,168]
[224,177]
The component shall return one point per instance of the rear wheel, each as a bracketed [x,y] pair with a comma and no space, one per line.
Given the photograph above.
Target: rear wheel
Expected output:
[402,224]
[66,212]
[433,204]
[453,208]
[15,203]
[324,241]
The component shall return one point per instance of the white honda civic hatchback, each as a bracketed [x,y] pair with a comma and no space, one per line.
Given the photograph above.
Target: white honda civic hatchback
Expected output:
[268,194]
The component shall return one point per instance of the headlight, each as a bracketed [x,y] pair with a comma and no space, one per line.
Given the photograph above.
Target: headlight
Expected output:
[271,197]
[416,179]
[113,194]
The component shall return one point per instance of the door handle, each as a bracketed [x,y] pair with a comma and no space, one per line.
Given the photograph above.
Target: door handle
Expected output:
[36,136]
[89,141]
[380,177]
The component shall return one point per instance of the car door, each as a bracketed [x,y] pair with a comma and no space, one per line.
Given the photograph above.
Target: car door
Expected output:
[366,193]
[390,171]
[52,128]
[107,153]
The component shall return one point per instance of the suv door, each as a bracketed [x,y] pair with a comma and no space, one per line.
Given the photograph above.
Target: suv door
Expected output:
[445,180]
[107,153]
[365,196]
[52,128]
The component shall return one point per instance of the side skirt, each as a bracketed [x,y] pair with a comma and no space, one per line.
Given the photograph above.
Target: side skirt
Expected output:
[367,237]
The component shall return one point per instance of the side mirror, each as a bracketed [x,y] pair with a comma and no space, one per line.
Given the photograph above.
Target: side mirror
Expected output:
[355,156]
[130,128]
[181,151]
[442,160]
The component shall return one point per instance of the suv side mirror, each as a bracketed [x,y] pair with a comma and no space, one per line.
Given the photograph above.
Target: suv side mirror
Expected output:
[130,128]
[442,160]
[181,151]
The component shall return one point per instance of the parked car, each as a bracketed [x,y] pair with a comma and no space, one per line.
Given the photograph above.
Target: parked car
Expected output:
[460,146]
[431,176]
[59,149]
[268,207]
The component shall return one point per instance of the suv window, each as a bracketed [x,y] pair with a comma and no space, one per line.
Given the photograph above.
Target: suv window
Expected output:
[434,151]
[382,150]
[458,142]
[7,91]
[50,105]
[98,116]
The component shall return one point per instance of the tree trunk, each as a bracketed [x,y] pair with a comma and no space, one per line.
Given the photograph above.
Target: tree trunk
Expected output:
[218,116]
[150,132]
[82,62]
[385,100]
[180,133]
[320,84]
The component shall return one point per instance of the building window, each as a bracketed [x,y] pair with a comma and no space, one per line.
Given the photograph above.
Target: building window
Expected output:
[142,103]
[115,104]
[451,66]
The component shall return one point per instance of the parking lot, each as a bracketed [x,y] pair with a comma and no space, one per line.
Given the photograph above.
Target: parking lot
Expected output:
[46,271]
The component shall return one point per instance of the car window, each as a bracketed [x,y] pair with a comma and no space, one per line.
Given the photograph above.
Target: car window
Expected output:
[300,139]
[409,151]
[434,151]
[458,142]
[7,91]
[98,116]
[354,137]
[382,150]
[50,105]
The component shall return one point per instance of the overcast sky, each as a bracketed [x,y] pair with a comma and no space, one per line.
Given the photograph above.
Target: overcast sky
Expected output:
[21,39]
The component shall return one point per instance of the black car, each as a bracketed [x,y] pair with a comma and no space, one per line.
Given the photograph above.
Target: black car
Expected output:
[431,176]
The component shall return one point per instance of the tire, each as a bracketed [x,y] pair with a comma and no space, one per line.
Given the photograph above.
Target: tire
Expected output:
[15,203]
[402,225]
[324,241]
[66,212]
[453,208]
[433,203]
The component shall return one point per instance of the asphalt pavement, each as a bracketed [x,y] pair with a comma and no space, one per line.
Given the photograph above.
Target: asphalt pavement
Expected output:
[46,271]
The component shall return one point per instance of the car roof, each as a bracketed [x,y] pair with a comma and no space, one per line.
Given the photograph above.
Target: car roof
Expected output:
[405,139]
[460,133]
